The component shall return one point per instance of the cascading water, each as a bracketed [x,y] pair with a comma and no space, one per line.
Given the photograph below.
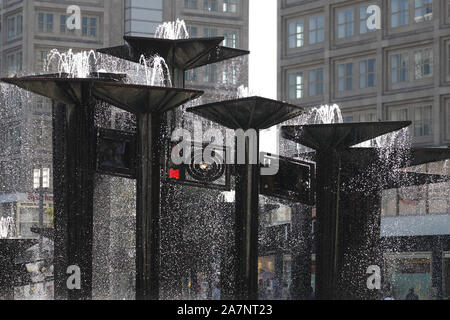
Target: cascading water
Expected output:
[172,30]
[6,226]
[74,65]
[151,71]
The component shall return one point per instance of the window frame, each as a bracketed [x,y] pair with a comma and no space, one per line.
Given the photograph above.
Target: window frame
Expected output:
[317,30]
[296,36]
[345,77]
[410,109]
[422,63]
[296,87]
[45,26]
[399,13]
[367,73]
[227,4]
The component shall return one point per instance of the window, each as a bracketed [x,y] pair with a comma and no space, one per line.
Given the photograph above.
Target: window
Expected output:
[210,5]
[191,75]
[192,31]
[229,76]
[14,61]
[210,73]
[363,20]
[208,32]
[45,22]
[422,121]
[448,119]
[346,23]
[315,82]
[423,63]
[42,134]
[316,29]
[399,68]
[191,4]
[231,38]
[296,34]
[399,13]
[19,23]
[15,26]
[423,10]
[296,85]
[89,27]
[230,6]
[41,60]
[14,137]
[348,119]
[11,27]
[345,76]
[398,114]
[63,25]
[367,73]
[448,59]
[367,117]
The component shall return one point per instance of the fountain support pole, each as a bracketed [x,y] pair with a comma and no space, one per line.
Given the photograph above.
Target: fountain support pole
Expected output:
[74,166]
[361,223]
[148,207]
[328,224]
[246,224]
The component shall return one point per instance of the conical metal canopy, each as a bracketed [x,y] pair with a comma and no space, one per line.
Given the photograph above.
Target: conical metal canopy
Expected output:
[339,136]
[248,113]
[141,98]
[183,54]
[63,90]
[130,97]
[427,155]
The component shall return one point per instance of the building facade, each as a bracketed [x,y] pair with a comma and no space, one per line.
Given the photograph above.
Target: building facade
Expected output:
[327,54]
[30,30]
[142,17]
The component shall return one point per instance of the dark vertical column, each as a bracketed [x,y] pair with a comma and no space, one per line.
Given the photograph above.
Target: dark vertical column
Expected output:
[246,228]
[301,251]
[171,218]
[74,201]
[437,264]
[327,256]
[81,151]
[362,246]
[147,207]
[60,199]
[227,264]
[7,271]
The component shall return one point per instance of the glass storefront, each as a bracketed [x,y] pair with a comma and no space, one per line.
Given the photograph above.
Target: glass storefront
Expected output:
[266,277]
[406,271]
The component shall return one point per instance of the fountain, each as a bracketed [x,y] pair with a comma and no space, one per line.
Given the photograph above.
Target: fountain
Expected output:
[74,158]
[348,219]
[247,113]
[76,90]
[348,197]
[180,52]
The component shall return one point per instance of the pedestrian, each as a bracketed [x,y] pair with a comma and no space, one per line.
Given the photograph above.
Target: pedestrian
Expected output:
[286,291]
[411,295]
[261,290]
[312,294]
[216,292]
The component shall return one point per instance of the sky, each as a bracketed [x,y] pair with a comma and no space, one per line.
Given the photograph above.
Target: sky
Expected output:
[263,59]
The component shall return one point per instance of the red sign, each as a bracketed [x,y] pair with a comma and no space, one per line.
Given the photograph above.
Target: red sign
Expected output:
[174,174]
[34,197]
